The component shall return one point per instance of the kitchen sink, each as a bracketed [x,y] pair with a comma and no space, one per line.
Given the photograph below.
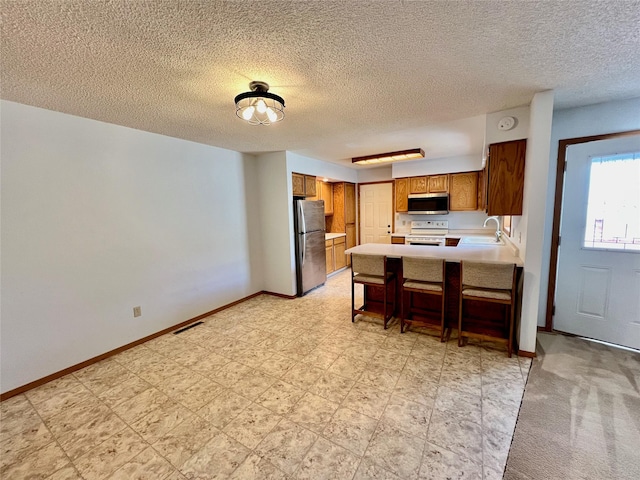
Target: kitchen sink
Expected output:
[480,240]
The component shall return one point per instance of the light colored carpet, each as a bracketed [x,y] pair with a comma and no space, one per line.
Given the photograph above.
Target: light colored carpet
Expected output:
[580,414]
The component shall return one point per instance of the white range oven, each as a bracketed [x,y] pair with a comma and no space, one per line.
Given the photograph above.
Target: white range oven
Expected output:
[428,232]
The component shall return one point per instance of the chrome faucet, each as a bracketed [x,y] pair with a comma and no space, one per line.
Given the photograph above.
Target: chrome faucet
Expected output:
[498,232]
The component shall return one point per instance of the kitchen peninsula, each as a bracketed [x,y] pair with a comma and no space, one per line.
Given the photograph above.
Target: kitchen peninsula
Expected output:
[475,253]
[487,317]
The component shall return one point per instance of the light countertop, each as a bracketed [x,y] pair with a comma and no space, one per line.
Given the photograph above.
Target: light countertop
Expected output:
[474,253]
[331,236]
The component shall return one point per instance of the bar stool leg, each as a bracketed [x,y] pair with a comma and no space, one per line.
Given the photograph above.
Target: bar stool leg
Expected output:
[460,322]
[401,309]
[442,327]
[384,306]
[511,320]
[353,305]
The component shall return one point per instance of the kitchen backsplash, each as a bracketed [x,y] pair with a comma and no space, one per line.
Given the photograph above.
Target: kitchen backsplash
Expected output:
[457,220]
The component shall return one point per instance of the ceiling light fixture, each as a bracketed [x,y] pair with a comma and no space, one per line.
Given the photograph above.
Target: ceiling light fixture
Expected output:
[411,154]
[259,107]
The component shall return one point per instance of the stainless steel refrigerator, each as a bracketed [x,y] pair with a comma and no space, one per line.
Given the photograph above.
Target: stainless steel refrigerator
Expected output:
[311,263]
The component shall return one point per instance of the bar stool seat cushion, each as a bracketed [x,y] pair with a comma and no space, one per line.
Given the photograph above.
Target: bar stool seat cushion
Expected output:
[427,286]
[485,293]
[377,279]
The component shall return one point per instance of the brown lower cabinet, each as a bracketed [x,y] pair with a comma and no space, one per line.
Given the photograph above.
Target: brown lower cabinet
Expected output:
[481,317]
[340,259]
[336,258]
[328,245]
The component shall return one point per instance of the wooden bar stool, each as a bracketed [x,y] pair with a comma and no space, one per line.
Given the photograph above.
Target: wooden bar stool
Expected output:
[423,276]
[487,282]
[371,271]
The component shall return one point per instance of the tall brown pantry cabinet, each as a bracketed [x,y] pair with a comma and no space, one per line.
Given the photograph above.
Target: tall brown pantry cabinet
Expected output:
[344,213]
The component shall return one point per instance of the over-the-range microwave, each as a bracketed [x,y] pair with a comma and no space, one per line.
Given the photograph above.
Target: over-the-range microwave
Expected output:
[429,204]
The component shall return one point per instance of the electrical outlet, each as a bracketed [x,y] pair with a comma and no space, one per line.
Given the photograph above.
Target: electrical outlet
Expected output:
[137,311]
[519,237]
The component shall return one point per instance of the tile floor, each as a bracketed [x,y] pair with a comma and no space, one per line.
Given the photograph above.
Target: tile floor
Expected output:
[274,389]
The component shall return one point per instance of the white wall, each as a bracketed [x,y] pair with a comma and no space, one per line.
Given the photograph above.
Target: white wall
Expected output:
[610,117]
[97,219]
[319,168]
[529,234]
[379,174]
[276,212]
[521,130]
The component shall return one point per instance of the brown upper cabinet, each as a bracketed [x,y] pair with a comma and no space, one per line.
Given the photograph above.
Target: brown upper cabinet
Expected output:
[463,191]
[326,193]
[438,183]
[504,180]
[429,184]
[402,199]
[418,185]
[303,185]
[461,187]
[310,186]
[297,181]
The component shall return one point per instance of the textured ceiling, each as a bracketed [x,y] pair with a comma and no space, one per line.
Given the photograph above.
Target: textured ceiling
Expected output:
[358,77]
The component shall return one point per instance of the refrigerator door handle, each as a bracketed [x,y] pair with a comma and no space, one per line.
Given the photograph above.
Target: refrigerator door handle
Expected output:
[301,217]
[302,233]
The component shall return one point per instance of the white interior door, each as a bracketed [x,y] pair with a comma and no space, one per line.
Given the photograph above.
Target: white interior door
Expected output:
[376,212]
[598,280]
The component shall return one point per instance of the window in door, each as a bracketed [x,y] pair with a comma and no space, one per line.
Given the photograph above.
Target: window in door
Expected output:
[613,209]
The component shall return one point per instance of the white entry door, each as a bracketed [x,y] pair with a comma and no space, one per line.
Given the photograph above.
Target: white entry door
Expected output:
[376,212]
[598,280]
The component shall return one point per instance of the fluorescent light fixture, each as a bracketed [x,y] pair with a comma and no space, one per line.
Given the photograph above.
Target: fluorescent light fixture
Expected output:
[411,154]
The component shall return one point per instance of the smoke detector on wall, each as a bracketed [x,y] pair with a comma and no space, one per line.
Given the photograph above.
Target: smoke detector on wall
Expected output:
[507,123]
